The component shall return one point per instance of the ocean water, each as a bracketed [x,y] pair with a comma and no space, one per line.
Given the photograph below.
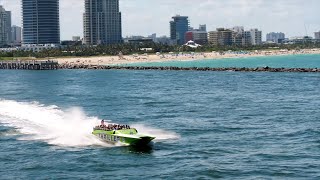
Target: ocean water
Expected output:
[209,125]
[288,61]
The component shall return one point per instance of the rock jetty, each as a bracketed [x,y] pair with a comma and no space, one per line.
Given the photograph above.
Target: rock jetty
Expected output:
[159,68]
[53,65]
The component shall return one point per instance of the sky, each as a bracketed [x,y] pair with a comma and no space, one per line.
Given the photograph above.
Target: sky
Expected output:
[144,17]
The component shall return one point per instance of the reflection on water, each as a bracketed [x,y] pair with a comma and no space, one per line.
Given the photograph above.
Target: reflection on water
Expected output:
[145,149]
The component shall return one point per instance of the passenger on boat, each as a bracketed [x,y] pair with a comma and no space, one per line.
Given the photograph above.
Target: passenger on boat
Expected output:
[111,127]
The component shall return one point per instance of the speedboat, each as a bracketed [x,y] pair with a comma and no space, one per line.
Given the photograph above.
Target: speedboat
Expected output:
[122,134]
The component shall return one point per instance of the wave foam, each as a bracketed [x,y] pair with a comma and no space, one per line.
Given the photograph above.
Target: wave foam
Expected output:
[70,128]
[49,123]
[158,133]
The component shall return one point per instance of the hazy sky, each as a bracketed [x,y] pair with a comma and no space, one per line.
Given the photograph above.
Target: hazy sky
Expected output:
[144,17]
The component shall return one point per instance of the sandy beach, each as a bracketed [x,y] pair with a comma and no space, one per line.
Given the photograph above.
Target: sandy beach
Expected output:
[144,58]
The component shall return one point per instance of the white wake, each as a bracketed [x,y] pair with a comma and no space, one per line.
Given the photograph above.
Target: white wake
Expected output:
[49,123]
[70,127]
[160,134]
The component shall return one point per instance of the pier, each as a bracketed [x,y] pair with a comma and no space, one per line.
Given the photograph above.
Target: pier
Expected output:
[30,65]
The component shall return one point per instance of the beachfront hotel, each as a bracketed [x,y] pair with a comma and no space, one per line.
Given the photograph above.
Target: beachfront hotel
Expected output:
[256,37]
[102,22]
[178,28]
[276,37]
[220,37]
[41,22]
[317,35]
[235,36]
[5,27]
[16,34]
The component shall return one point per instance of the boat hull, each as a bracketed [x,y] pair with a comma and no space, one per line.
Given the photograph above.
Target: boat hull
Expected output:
[125,137]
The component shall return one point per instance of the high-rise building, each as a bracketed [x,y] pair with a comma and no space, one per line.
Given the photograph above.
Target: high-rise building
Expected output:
[275,37]
[16,34]
[317,35]
[199,36]
[8,26]
[102,22]
[220,37]
[256,36]
[237,38]
[41,22]
[240,37]
[178,28]
[5,27]
[237,35]
[246,38]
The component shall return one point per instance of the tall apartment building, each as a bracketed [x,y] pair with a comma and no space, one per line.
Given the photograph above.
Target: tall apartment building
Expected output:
[8,26]
[241,38]
[220,37]
[237,38]
[317,35]
[246,38]
[276,37]
[5,27]
[41,23]
[16,34]
[256,36]
[102,22]
[178,28]
[237,35]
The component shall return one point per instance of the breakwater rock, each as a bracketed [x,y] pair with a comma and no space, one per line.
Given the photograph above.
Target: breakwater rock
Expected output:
[260,69]
[53,65]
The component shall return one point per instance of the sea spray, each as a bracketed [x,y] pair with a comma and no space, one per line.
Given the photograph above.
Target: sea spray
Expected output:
[158,133]
[69,128]
[49,123]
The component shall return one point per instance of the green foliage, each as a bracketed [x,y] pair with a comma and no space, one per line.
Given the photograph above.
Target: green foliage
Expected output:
[127,49]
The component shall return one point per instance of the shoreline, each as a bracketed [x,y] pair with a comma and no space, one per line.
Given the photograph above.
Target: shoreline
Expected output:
[181,57]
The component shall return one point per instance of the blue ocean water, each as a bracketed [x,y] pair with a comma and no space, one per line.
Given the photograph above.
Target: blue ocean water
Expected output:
[230,125]
[289,61]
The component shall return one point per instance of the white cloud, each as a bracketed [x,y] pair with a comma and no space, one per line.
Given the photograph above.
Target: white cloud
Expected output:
[148,16]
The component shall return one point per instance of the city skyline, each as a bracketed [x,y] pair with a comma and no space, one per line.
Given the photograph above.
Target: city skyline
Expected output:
[288,17]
